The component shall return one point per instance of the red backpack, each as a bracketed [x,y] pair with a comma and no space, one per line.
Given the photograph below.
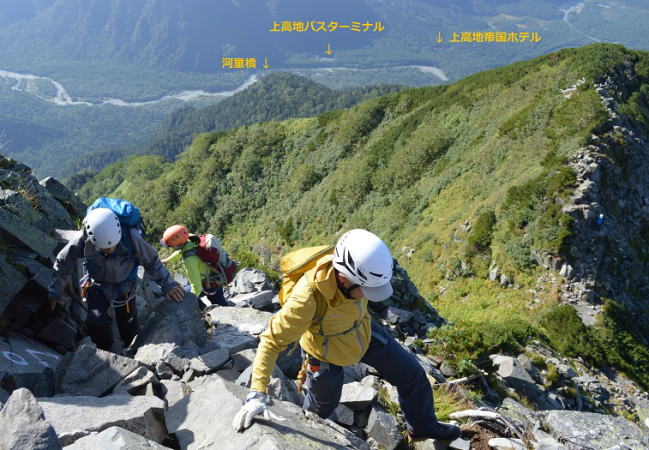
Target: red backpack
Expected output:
[210,250]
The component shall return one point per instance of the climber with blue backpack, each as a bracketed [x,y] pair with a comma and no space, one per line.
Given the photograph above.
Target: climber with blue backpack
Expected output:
[112,247]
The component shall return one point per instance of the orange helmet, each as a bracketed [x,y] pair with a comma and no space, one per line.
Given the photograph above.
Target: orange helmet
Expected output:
[174,235]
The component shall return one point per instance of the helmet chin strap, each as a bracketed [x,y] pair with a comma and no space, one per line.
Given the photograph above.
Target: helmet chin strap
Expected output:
[347,291]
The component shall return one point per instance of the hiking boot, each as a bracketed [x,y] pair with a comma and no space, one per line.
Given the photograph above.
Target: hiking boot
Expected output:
[441,431]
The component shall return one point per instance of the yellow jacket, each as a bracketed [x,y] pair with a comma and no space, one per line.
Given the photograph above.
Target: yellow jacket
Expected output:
[295,321]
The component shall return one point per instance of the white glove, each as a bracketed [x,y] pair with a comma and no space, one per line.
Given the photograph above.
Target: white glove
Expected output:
[256,403]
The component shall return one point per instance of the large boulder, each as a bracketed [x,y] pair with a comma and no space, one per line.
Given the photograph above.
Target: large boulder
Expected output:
[249,280]
[95,372]
[512,371]
[357,395]
[200,422]
[115,438]
[139,382]
[383,428]
[231,338]
[178,324]
[211,361]
[23,424]
[74,417]
[246,320]
[12,282]
[27,363]
[27,235]
[596,431]
[70,201]
[257,300]
[279,386]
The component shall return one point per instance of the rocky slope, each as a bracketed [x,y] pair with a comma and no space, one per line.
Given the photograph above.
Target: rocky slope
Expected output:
[188,374]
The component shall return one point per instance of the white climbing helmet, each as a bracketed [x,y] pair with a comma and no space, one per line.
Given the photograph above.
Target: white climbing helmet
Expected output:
[365,259]
[102,228]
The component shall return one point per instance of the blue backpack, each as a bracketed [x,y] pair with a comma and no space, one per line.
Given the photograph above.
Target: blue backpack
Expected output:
[128,215]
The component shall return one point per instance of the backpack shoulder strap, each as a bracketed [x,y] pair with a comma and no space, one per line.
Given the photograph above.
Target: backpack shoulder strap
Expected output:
[190,252]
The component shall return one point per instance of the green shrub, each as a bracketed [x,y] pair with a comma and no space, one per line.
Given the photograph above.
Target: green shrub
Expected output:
[482,232]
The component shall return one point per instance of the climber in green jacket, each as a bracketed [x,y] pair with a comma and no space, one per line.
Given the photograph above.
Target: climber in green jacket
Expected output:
[201,278]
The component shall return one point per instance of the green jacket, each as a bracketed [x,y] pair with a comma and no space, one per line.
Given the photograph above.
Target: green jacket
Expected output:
[197,271]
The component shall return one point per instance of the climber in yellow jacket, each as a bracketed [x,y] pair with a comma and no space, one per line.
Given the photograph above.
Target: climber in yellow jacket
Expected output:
[342,334]
[201,278]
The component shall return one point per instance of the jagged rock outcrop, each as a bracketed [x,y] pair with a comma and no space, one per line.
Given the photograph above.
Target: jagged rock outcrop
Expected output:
[200,422]
[29,214]
[23,424]
[76,416]
[115,438]
[608,259]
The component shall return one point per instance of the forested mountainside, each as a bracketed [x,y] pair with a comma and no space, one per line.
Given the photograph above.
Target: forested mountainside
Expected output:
[277,96]
[497,177]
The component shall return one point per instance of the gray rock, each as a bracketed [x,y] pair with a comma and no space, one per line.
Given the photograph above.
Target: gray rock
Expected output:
[70,201]
[59,331]
[77,416]
[513,410]
[343,415]
[249,280]
[163,370]
[395,315]
[23,424]
[641,408]
[115,438]
[174,391]
[357,396]
[566,371]
[178,323]
[4,396]
[284,389]
[506,444]
[527,364]
[593,430]
[230,375]
[460,444]
[12,282]
[243,359]
[28,363]
[17,204]
[257,300]
[430,368]
[383,428]
[447,370]
[515,375]
[493,273]
[200,422]
[211,361]
[279,387]
[245,320]
[154,354]
[95,372]
[566,270]
[30,236]
[136,382]
[233,339]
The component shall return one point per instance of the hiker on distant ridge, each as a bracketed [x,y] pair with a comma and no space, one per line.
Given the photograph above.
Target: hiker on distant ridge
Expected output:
[111,252]
[325,293]
[207,264]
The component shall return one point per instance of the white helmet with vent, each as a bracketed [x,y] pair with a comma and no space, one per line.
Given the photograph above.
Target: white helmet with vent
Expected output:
[102,228]
[366,261]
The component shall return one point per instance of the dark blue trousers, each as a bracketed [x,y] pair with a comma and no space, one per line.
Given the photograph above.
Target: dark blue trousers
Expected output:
[396,365]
